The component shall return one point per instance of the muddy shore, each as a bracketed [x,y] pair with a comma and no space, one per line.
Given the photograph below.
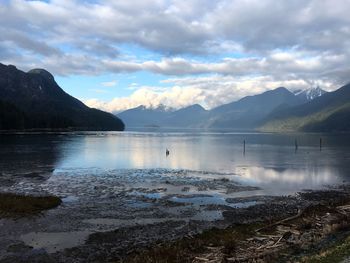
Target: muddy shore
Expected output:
[127,242]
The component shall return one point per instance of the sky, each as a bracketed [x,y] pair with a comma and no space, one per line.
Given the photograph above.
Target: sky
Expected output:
[116,55]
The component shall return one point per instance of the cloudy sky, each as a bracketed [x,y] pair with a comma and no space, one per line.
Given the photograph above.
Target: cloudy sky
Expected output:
[120,54]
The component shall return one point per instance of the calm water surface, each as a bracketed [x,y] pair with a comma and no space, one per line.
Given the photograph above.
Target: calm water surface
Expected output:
[270,161]
[112,180]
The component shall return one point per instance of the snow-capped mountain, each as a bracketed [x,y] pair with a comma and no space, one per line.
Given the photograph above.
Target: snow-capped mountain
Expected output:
[309,94]
[162,116]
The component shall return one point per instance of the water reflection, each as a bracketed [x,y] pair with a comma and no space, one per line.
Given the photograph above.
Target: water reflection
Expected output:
[269,160]
[286,181]
[30,157]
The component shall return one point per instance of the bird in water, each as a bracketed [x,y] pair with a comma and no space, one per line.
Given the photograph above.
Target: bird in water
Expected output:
[167,152]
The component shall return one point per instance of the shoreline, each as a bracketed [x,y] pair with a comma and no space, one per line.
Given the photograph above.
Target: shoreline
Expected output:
[273,232]
[198,241]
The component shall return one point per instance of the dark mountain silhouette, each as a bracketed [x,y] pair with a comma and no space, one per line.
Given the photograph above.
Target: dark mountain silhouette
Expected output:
[330,112]
[33,100]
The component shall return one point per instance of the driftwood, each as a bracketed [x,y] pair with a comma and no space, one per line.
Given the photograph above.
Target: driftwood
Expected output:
[343,207]
[202,259]
[255,256]
[278,241]
[264,247]
[300,212]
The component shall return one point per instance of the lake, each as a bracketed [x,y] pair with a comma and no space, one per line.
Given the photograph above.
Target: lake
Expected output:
[109,180]
[270,161]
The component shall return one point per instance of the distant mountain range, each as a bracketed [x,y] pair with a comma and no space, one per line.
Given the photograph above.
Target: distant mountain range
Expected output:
[163,117]
[33,100]
[276,110]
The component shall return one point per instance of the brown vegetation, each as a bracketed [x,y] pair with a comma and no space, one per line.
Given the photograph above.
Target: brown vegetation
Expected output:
[287,240]
[13,205]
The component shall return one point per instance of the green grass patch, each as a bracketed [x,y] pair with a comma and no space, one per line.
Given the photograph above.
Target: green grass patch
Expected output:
[13,205]
[334,254]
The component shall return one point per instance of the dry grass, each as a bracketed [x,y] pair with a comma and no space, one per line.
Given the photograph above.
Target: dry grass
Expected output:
[186,249]
[233,242]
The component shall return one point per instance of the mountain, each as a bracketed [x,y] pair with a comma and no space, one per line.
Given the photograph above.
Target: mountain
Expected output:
[33,100]
[278,109]
[188,117]
[142,116]
[309,94]
[161,116]
[247,112]
[330,112]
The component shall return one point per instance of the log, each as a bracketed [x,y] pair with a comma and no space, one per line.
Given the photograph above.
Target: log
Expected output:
[300,212]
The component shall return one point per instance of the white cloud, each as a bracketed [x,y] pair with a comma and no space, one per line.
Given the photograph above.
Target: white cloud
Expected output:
[99,90]
[210,92]
[150,97]
[277,64]
[112,83]
[96,29]
[275,43]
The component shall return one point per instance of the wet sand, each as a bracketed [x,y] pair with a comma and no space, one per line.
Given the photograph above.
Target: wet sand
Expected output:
[105,218]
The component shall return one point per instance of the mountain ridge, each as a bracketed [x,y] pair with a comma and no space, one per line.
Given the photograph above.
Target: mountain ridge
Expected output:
[248,111]
[277,110]
[315,114]
[36,97]
[310,93]
[242,114]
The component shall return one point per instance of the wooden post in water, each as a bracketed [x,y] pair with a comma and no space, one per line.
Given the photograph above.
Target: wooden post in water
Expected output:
[243,147]
[296,145]
[320,144]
